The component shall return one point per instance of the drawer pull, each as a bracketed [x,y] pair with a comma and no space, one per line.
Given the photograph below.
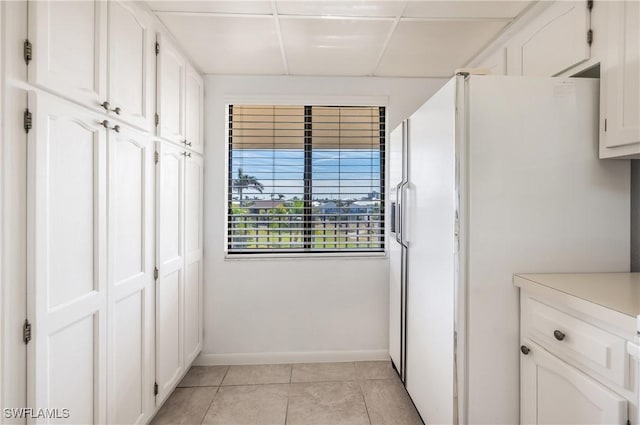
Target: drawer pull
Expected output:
[525,350]
[559,335]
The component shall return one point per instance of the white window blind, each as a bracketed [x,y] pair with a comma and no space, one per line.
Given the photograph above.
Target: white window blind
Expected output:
[305,178]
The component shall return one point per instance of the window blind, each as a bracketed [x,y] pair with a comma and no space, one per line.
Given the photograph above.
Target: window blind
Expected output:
[305,178]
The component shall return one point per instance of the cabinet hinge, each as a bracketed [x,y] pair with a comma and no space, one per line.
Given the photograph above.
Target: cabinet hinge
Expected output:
[155,273]
[27,51]
[628,422]
[155,388]
[605,125]
[26,331]
[27,120]
[157,48]
[156,157]
[157,119]
[589,4]
[590,37]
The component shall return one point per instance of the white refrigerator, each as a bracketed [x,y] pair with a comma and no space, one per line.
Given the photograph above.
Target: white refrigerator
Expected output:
[492,176]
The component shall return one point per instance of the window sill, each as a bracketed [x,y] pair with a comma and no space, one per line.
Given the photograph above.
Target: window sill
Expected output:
[308,256]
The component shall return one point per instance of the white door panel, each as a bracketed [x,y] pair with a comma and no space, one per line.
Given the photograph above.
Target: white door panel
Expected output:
[131,276]
[67,260]
[194,177]
[170,253]
[171,70]
[69,49]
[131,64]
[194,104]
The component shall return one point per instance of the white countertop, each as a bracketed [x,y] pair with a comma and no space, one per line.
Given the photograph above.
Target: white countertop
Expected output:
[616,291]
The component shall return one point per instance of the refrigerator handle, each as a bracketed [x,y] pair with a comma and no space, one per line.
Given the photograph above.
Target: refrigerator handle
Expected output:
[403,191]
[398,214]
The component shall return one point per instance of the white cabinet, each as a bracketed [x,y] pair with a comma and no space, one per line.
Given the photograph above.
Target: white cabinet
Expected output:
[130,85]
[620,82]
[69,49]
[555,393]
[194,105]
[180,98]
[170,98]
[97,53]
[557,41]
[130,276]
[179,251]
[67,261]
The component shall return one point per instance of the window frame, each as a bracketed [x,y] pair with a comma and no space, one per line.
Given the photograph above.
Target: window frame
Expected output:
[378,101]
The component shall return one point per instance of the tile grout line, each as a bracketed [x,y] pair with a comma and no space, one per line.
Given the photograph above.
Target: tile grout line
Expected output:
[364,399]
[286,412]
[214,396]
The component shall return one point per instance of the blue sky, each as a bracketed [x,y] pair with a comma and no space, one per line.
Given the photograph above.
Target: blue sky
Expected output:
[337,174]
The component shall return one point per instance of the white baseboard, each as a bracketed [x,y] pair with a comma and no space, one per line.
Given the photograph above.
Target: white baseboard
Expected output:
[205,359]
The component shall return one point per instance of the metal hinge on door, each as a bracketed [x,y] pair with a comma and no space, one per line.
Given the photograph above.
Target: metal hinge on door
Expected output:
[157,48]
[27,120]
[26,331]
[155,388]
[27,51]
[590,37]
[589,4]
[156,157]
[157,119]
[155,273]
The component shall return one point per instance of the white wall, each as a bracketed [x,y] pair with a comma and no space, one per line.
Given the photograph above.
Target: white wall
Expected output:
[293,309]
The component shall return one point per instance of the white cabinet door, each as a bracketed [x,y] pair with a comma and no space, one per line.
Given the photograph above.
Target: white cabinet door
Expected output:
[131,64]
[67,274]
[194,167]
[69,49]
[171,70]
[621,81]
[131,282]
[564,26]
[553,392]
[194,103]
[170,254]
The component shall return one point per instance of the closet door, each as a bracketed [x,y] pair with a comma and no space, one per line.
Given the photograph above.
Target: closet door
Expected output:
[194,167]
[170,255]
[67,261]
[131,64]
[69,49]
[170,91]
[194,99]
[131,282]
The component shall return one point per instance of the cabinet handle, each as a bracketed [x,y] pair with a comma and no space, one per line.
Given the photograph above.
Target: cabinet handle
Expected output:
[115,128]
[107,106]
[186,143]
[525,350]
[559,335]
[187,154]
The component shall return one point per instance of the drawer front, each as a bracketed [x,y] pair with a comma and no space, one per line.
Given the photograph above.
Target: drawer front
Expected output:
[577,342]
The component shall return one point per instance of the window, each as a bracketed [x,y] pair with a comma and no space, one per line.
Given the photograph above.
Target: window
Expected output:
[305,179]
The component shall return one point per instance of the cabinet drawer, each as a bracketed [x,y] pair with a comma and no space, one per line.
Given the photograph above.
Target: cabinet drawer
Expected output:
[577,342]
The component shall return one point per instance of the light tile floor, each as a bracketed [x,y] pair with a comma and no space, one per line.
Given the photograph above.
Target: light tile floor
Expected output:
[359,393]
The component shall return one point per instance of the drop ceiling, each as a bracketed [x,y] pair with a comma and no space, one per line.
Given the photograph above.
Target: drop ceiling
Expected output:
[335,38]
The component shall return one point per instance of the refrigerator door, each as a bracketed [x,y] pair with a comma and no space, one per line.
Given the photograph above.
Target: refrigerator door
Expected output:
[396,272]
[430,226]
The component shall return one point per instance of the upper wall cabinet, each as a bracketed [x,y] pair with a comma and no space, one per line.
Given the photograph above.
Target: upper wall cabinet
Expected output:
[194,99]
[131,67]
[171,71]
[96,53]
[180,98]
[68,41]
[558,42]
[620,82]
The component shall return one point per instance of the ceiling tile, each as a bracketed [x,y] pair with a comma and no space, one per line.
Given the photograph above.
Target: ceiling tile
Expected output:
[434,48]
[464,9]
[228,45]
[218,6]
[361,8]
[333,47]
